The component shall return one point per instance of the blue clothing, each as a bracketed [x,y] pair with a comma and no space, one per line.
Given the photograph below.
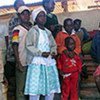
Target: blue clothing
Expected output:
[95,48]
[86,34]
[42,75]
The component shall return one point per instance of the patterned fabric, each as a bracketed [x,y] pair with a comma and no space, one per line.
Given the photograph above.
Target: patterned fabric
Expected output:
[42,79]
[69,65]
[32,41]
[12,23]
[15,36]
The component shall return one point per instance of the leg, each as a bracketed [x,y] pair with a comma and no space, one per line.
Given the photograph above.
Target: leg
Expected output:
[34,97]
[74,86]
[49,97]
[65,88]
[20,84]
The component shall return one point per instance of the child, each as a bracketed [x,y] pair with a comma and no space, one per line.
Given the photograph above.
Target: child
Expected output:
[68,32]
[69,65]
[42,76]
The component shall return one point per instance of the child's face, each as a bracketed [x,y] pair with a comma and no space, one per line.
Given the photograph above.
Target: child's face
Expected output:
[25,16]
[41,18]
[68,26]
[70,45]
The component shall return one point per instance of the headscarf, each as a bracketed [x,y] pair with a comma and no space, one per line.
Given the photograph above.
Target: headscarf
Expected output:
[36,11]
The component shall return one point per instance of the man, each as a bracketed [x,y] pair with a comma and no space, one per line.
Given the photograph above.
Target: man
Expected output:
[81,32]
[10,65]
[18,44]
[12,23]
[52,20]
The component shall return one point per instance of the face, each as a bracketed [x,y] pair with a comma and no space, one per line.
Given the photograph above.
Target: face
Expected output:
[25,16]
[50,6]
[19,4]
[41,18]
[70,45]
[77,26]
[68,26]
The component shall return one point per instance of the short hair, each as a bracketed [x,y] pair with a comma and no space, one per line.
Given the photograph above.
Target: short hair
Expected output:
[66,20]
[77,20]
[45,1]
[16,2]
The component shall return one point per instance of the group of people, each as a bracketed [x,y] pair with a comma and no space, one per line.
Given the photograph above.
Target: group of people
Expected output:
[40,51]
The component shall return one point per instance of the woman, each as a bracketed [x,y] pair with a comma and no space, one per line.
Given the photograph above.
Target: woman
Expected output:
[42,75]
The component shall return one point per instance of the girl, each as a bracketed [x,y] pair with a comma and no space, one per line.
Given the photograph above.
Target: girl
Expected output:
[42,75]
[69,65]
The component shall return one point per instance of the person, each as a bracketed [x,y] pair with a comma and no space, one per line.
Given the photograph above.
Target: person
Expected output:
[52,20]
[10,64]
[4,40]
[60,38]
[18,44]
[14,21]
[70,66]
[96,75]
[3,49]
[42,75]
[95,48]
[80,31]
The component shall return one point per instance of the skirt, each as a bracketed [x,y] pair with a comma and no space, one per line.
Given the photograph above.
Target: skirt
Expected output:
[42,80]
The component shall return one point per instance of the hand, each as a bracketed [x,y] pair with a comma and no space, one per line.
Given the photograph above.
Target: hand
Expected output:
[71,54]
[53,55]
[19,66]
[45,54]
[65,51]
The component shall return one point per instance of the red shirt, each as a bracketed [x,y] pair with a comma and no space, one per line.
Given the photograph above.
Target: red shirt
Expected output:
[69,65]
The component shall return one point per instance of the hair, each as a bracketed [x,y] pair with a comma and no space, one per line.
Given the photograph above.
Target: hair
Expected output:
[77,20]
[66,20]
[16,2]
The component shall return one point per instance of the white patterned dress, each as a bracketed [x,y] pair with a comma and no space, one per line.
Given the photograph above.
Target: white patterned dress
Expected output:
[42,75]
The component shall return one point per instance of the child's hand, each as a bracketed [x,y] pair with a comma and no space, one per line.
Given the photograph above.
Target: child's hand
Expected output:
[71,54]
[53,55]
[65,52]
[45,54]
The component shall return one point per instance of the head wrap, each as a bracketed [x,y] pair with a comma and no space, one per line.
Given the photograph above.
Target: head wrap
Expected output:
[36,11]
[23,8]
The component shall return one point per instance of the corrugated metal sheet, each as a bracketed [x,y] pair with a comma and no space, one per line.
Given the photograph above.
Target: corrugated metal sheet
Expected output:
[73,5]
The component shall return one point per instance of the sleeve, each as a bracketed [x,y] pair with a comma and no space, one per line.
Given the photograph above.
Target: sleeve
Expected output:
[59,62]
[31,43]
[78,44]
[60,43]
[15,37]
[52,44]
[79,63]
[94,48]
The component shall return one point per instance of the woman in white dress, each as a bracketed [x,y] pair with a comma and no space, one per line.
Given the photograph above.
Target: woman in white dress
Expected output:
[42,74]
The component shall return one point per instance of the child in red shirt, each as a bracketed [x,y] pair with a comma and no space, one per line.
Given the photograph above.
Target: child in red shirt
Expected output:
[70,65]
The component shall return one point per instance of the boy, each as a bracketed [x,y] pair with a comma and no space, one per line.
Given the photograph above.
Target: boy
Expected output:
[69,65]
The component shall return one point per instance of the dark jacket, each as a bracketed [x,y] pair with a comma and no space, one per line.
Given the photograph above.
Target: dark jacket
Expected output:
[95,48]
